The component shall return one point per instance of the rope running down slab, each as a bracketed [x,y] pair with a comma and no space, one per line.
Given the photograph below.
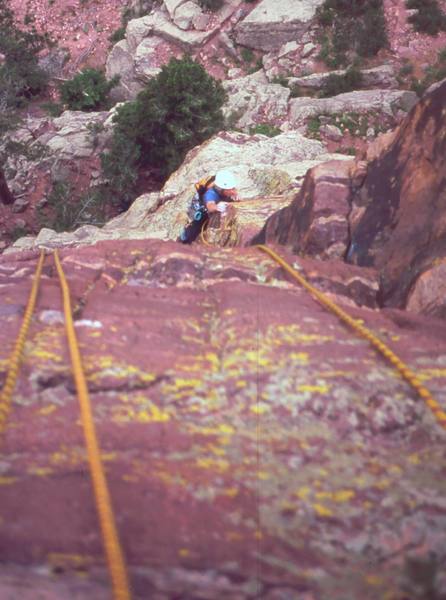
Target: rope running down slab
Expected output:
[17,353]
[113,550]
[381,347]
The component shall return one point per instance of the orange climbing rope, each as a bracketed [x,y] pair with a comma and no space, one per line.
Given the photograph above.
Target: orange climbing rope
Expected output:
[16,356]
[114,554]
[379,346]
[113,550]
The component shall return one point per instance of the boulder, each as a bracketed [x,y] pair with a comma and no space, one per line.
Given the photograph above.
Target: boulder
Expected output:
[428,292]
[272,23]
[153,39]
[53,63]
[387,102]
[159,23]
[403,228]
[120,61]
[186,14]
[253,100]
[73,139]
[378,77]
[147,56]
[316,222]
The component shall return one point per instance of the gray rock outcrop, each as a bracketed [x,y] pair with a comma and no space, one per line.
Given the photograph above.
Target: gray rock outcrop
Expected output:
[377,77]
[152,40]
[268,171]
[274,22]
[253,100]
[388,102]
[74,135]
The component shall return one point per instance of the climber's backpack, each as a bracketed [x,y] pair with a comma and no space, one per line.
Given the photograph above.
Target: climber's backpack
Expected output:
[197,203]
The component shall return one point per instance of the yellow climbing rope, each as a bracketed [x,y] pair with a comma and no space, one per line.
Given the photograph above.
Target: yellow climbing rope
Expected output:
[17,353]
[113,550]
[380,346]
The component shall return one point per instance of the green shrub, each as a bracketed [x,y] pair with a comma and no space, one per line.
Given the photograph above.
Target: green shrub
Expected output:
[117,35]
[351,28]
[257,66]
[265,129]
[54,109]
[88,90]
[63,212]
[247,55]
[280,80]
[432,74]
[340,84]
[298,91]
[313,126]
[429,18]
[212,5]
[177,110]
[20,76]
[18,232]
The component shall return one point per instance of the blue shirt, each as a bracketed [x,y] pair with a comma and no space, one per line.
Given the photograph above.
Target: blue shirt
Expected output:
[211,195]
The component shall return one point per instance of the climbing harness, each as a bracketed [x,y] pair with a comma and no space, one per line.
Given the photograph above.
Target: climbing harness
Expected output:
[113,550]
[379,346]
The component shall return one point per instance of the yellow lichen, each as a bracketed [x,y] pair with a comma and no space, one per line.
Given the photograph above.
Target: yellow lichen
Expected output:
[322,511]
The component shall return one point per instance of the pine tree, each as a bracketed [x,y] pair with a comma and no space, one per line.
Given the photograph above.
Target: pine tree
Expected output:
[178,109]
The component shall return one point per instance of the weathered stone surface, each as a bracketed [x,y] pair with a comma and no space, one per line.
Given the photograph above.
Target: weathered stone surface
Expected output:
[20,205]
[172,6]
[146,59]
[377,77]
[73,139]
[272,23]
[266,168]
[331,132]
[120,62]
[403,229]
[253,100]
[159,24]
[388,102]
[428,293]
[54,62]
[153,39]
[263,166]
[254,448]
[185,15]
[316,222]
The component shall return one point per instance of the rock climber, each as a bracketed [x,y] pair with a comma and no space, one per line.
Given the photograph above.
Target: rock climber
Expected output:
[213,195]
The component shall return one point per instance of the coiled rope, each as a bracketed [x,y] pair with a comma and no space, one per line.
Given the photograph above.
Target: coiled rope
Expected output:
[113,550]
[381,347]
[17,354]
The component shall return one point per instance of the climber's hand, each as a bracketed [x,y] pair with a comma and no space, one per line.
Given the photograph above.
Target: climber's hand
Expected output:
[222,206]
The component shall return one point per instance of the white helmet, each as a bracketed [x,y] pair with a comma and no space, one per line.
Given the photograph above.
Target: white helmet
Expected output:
[225,180]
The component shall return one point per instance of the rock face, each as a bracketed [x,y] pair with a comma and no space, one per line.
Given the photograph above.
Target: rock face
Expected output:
[253,100]
[387,102]
[274,22]
[403,228]
[316,222]
[170,30]
[377,77]
[254,448]
[268,170]
[74,137]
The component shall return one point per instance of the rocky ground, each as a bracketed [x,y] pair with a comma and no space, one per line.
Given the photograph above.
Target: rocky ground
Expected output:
[254,447]
[82,30]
